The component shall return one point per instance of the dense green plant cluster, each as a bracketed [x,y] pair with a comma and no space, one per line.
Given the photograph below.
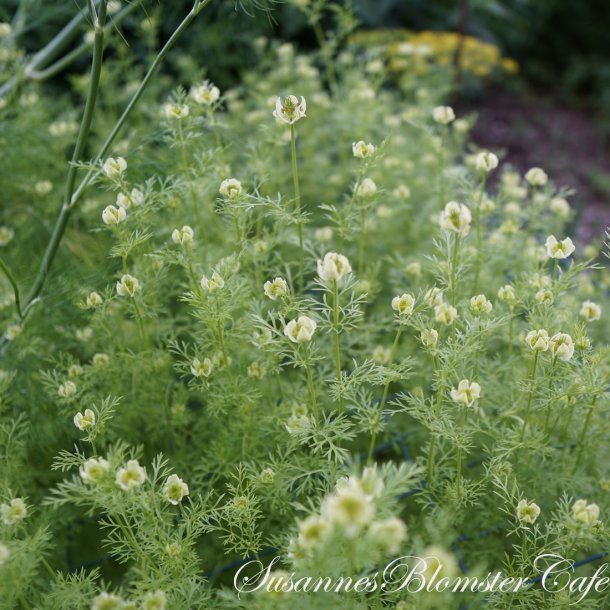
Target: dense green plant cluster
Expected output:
[302,318]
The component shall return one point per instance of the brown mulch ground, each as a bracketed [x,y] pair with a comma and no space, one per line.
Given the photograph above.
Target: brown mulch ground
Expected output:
[564,140]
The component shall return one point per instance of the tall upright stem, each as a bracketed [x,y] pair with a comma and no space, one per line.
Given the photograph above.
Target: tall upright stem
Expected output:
[336,341]
[72,195]
[529,398]
[386,389]
[297,202]
[479,229]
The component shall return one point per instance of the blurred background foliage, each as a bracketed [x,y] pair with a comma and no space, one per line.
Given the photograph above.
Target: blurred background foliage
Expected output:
[557,44]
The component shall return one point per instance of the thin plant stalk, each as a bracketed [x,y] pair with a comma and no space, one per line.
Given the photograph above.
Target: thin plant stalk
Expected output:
[311,385]
[297,202]
[386,389]
[454,264]
[479,231]
[73,195]
[336,341]
[532,375]
[583,434]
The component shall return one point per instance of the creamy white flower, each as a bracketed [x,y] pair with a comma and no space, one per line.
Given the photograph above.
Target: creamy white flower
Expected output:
[402,192]
[130,476]
[381,354]
[156,600]
[175,489]
[590,311]
[230,188]
[12,332]
[113,216]
[75,370]
[480,304]
[183,236]
[559,206]
[4,553]
[388,535]
[538,340]
[201,369]
[94,299]
[205,94]
[429,337]
[175,111]
[588,514]
[43,187]
[349,508]
[5,29]
[445,314]
[127,286]
[456,217]
[313,531]
[67,389]
[443,115]
[440,563]
[257,370]
[213,283]
[507,293]
[403,304]
[561,346]
[334,267]
[13,511]
[84,421]
[362,150]
[545,297]
[559,249]
[486,162]
[290,110]
[114,167]
[467,392]
[100,359]
[413,269]
[366,188]
[94,469]
[6,235]
[107,601]
[134,198]
[276,288]
[536,176]
[323,234]
[433,296]
[527,512]
[300,330]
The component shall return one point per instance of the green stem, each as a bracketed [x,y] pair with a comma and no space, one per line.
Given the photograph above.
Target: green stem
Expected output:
[549,402]
[312,388]
[297,201]
[384,397]
[336,342]
[72,196]
[328,63]
[510,333]
[66,60]
[531,393]
[441,169]
[437,413]
[479,229]
[462,425]
[15,286]
[454,263]
[583,434]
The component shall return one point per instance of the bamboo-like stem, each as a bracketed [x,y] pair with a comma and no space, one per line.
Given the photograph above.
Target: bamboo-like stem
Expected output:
[74,54]
[72,195]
